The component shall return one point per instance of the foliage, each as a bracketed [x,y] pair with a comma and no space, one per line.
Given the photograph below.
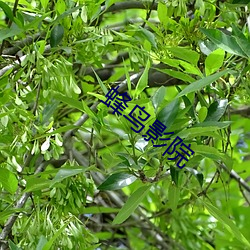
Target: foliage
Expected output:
[75,176]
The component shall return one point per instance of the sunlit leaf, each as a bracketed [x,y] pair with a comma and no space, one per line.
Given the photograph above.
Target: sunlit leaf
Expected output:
[228,223]
[173,195]
[131,204]
[197,85]
[8,180]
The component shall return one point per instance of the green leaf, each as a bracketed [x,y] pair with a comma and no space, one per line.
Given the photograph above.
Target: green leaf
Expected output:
[158,97]
[147,35]
[214,61]
[56,35]
[198,175]
[197,131]
[9,32]
[143,81]
[219,125]
[132,203]
[173,196]
[210,152]
[66,172]
[162,12]
[44,3]
[197,85]
[8,180]
[98,210]
[35,183]
[186,54]
[9,211]
[70,101]
[216,110]
[7,10]
[13,246]
[174,172]
[223,41]
[244,45]
[49,244]
[177,74]
[104,89]
[202,114]
[227,223]
[117,181]
[168,114]
[41,243]
[49,110]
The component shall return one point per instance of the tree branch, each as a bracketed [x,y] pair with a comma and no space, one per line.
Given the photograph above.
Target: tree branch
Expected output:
[236,177]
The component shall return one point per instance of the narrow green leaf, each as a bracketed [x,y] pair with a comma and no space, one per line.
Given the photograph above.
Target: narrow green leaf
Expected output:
[49,244]
[228,223]
[173,196]
[117,181]
[186,54]
[223,41]
[174,172]
[49,110]
[158,97]
[9,211]
[34,183]
[70,101]
[68,12]
[8,180]
[197,85]
[13,246]
[219,125]
[216,110]
[177,74]
[98,210]
[211,153]
[162,12]
[66,172]
[104,89]
[197,131]
[168,114]
[143,81]
[132,203]
[6,33]
[7,10]
[56,35]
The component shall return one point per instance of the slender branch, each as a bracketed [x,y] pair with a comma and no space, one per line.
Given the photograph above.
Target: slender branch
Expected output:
[148,13]
[21,44]
[16,63]
[236,177]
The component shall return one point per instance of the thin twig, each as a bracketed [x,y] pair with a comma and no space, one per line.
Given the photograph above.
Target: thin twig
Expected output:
[148,14]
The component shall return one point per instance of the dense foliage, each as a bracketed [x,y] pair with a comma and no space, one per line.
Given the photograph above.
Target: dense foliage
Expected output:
[73,175]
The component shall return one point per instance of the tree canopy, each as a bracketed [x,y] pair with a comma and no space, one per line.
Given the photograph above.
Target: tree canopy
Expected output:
[124,124]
